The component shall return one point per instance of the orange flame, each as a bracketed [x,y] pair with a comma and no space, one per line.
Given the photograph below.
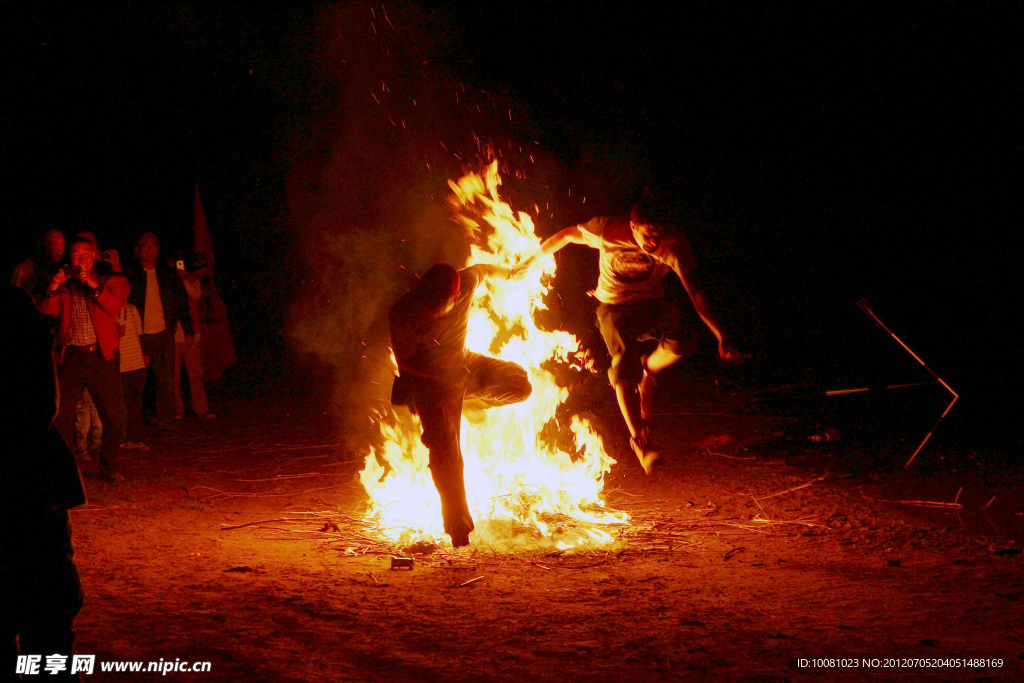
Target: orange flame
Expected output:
[512,476]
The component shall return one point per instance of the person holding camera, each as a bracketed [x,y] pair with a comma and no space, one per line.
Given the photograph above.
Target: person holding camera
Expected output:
[88,425]
[107,261]
[87,342]
[188,353]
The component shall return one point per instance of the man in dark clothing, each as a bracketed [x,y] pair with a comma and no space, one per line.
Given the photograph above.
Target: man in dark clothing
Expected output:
[437,374]
[157,291]
[40,592]
[34,274]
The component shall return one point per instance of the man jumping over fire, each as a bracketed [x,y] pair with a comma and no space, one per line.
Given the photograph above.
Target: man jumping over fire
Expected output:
[636,255]
[438,378]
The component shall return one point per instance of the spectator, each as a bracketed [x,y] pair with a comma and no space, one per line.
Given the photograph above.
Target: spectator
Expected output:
[88,436]
[133,363]
[159,295]
[108,261]
[88,343]
[88,425]
[40,591]
[188,352]
[34,275]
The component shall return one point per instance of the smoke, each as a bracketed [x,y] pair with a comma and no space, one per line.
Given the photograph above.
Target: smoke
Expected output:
[388,127]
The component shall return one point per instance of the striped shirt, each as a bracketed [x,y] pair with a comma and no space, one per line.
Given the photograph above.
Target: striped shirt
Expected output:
[131,349]
[81,333]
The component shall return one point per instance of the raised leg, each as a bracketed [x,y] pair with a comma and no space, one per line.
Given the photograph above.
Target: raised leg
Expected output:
[493,382]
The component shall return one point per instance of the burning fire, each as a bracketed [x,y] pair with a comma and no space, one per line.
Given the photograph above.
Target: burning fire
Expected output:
[513,477]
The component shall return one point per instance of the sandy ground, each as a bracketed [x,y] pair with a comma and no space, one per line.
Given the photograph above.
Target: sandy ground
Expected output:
[718,578]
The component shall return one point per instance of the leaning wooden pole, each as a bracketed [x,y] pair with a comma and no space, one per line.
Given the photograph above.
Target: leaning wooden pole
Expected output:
[866,307]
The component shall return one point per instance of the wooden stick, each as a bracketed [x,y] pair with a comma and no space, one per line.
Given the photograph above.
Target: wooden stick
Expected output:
[924,503]
[766,517]
[262,521]
[795,488]
[737,549]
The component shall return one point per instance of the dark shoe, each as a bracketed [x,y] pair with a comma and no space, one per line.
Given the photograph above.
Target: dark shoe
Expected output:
[460,539]
[646,452]
[459,531]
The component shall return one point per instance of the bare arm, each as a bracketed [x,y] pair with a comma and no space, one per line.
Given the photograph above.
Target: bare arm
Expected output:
[489,270]
[562,238]
[677,254]
[687,275]
[553,244]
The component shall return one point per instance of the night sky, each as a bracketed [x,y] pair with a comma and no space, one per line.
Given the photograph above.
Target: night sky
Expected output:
[818,152]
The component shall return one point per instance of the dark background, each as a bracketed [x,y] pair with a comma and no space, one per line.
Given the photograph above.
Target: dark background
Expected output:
[817,152]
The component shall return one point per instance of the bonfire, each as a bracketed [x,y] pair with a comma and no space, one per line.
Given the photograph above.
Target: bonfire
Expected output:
[521,485]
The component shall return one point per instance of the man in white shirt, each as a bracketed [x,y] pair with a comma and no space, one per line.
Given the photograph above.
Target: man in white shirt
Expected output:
[637,253]
[157,291]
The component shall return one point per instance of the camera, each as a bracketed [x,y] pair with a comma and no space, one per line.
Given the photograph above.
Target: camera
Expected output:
[189,262]
[72,271]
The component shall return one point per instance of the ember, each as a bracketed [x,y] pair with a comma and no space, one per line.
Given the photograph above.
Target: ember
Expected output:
[515,480]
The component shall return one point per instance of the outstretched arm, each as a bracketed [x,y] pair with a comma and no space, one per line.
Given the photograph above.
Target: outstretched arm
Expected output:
[687,275]
[489,271]
[553,244]
[562,238]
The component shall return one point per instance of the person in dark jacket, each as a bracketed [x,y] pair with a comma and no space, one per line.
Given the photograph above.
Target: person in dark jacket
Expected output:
[439,379]
[40,591]
[33,274]
[158,293]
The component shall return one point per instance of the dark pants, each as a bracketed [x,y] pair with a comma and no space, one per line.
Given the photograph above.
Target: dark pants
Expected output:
[132,384]
[160,348]
[624,326]
[439,403]
[40,592]
[81,370]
